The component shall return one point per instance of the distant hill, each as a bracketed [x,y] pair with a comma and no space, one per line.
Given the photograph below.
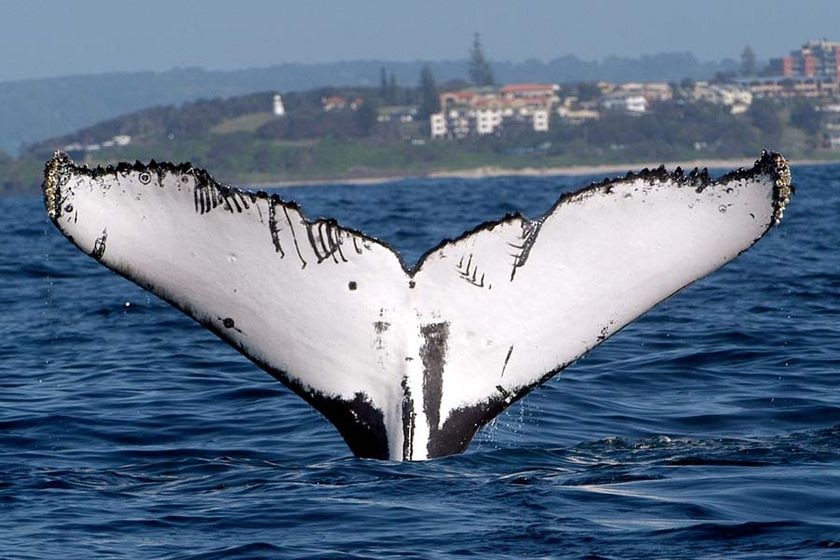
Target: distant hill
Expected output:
[34,110]
[367,132]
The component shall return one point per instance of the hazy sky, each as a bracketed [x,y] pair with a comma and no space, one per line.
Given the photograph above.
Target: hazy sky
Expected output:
[40,38]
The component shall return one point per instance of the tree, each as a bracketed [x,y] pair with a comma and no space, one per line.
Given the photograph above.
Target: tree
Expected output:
[429,96]
[748,62]
[455,85]
[688,84]
[383,84]
[389,88]
[723,77]
[394,97]
[366,117]
[588,91]
[805,115]
[480,72]
[764,116]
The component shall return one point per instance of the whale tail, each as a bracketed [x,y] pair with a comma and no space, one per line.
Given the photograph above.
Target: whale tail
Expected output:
[408,362]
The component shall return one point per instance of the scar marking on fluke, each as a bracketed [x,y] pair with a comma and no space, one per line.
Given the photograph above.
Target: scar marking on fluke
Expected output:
[99,246]
[507,359]
[325,240]
[469,272]
[291,229]
[529,235]
[274,230]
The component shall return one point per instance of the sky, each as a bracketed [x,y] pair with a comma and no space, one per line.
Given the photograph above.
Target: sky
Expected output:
[46,38]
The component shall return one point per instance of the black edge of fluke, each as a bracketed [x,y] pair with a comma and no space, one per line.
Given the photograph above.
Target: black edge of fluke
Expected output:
[59,168]
[768,163]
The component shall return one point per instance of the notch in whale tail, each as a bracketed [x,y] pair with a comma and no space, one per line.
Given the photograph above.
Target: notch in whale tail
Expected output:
[409,362]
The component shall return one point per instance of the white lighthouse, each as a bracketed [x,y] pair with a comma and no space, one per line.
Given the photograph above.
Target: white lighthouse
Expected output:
[279,109]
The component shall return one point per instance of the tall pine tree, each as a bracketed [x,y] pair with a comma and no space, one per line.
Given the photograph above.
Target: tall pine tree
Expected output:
[383,84]
[748,62]
[394,97]
[480,72]
[429,95]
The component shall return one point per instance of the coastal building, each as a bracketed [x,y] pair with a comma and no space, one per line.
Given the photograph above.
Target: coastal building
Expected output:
[540,119]
[489,110]
[630,104]
[438,125]
[651,91]
[815,59]
[338,103]
[122,140]
[776,87]
[577,115]
[529,94]
[79,149]
[737,98]
[396,113]
[572,111]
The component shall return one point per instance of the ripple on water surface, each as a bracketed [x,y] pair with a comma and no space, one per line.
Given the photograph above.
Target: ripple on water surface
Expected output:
[710,428]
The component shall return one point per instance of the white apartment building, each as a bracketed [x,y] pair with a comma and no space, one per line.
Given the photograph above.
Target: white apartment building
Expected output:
[484,111]
[630,104]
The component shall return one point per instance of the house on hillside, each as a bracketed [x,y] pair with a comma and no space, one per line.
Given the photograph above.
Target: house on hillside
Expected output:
[737,98]
[398,113]
[651,91]
[338,103]
[630,104]
[77,149]
[333,103]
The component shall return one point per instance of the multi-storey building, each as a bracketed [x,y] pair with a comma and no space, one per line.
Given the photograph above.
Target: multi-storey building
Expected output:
[488,110]
[815,59]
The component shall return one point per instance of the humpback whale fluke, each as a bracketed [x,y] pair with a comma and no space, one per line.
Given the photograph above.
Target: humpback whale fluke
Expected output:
[408,362]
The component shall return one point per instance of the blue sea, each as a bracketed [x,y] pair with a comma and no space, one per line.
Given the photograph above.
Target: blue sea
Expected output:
[710,428]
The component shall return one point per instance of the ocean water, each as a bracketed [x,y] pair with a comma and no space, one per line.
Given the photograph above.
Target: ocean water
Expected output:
[710,428]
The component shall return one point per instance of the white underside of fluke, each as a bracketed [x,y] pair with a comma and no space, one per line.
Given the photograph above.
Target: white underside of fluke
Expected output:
[409,363]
